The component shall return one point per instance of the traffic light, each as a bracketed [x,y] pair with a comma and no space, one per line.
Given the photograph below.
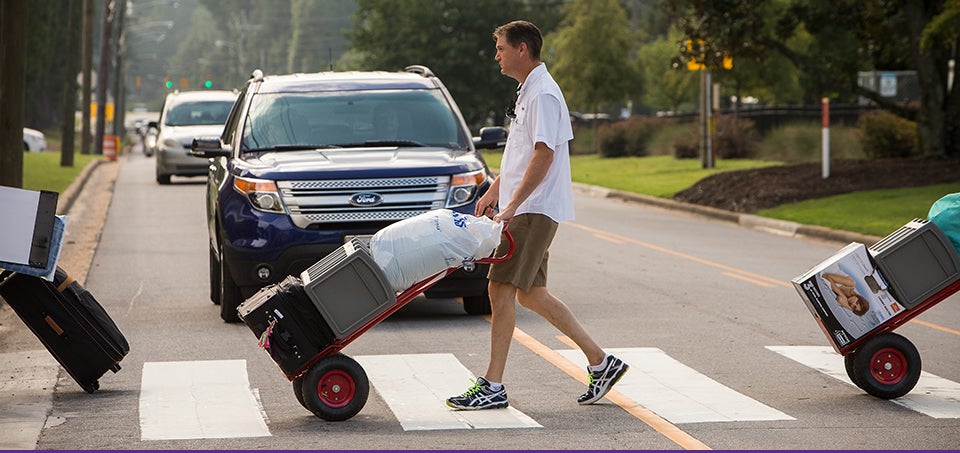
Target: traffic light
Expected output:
[167,82]
[208,83]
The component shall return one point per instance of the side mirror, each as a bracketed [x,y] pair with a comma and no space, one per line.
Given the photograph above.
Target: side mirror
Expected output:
[491,137]
[208,147]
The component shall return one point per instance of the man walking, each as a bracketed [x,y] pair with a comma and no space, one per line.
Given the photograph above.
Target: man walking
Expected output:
[534,194]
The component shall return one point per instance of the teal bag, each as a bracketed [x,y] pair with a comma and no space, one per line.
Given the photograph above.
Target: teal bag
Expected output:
[945,214]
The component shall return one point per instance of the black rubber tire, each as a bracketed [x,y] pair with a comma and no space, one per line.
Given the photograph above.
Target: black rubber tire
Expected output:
[848,364]
[214,278]
[477,305]
[230,295]
[335,388]
[887,366]
[298,390]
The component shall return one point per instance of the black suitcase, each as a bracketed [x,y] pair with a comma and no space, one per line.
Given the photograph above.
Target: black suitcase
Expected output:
[69,322]
[288,325]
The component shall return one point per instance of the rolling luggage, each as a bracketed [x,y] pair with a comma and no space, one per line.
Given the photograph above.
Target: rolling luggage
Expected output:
[288,325]
[69,322]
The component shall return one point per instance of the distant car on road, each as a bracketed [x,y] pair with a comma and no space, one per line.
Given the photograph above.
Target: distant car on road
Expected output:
[184,116]
[34,140]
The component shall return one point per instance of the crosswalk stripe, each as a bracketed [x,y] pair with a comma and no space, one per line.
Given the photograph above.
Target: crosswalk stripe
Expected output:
[933,395]
[679,393]
[416,386]
[198,400]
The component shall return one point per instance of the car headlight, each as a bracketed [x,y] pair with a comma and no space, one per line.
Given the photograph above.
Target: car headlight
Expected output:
[263,194]
[463,188]
[171,143]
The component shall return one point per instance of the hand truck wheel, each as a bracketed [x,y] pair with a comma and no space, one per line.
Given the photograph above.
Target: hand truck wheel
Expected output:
[298,390]
[848,365]
[335,388]
[887,366]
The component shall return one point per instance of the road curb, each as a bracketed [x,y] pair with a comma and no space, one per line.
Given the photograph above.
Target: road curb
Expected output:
[66,199]
[775,226]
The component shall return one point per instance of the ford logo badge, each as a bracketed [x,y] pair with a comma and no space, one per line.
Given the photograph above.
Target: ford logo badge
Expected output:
[366,199]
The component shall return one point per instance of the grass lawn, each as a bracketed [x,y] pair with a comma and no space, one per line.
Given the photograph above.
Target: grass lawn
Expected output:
[876,212]
[42,171]
[659,176]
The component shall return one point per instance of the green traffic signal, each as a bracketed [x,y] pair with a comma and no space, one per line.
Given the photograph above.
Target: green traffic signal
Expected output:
[169,84]
[208,84]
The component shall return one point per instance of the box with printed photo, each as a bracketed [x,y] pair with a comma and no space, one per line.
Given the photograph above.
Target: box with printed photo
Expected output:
[847,295]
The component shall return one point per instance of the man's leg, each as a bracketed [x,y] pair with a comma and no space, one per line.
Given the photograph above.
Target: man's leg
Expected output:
[540,301]
[503,322]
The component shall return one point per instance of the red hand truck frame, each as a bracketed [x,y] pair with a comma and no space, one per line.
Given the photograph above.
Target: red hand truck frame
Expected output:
[334,386]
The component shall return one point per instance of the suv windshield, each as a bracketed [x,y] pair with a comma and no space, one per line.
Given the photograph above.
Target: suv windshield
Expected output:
[201,113]
[345,119]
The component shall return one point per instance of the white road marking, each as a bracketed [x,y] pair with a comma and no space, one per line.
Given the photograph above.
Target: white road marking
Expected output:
[679,393]
[198,400]
[416,387]
[933,395]
[27,397]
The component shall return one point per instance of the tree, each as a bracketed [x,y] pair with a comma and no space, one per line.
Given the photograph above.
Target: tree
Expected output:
[13,34]
[590,55]
[451,37]
[665,87]
[846,36]
[71,60]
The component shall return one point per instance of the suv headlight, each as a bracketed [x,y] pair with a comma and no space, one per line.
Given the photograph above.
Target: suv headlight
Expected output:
[463,188]
[263,194]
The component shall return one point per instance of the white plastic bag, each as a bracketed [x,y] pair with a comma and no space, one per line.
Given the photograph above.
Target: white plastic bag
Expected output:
[414,249]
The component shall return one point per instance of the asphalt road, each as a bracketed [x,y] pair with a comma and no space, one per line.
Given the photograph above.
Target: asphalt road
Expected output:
[702,309]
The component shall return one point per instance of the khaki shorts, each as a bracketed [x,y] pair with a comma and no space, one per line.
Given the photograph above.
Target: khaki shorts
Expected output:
[532,234]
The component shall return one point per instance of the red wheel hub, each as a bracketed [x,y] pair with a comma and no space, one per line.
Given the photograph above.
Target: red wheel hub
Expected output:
[336,388]
[888,366]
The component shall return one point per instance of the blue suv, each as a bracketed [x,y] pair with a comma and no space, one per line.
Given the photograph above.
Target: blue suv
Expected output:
[309,161]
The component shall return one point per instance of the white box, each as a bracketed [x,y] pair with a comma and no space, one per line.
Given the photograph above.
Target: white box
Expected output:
[847,295]
[27,228]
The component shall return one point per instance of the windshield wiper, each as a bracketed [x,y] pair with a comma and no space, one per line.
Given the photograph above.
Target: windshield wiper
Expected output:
[276,148]
[400,143]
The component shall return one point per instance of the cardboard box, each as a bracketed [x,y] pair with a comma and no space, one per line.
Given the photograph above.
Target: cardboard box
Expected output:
[847,295]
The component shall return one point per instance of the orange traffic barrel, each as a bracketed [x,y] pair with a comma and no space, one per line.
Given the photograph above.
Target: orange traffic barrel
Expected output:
[110,146]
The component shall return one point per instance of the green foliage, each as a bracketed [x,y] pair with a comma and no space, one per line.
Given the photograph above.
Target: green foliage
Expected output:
[630,137]
[803,142]
[884,134]
[589,55]
[453,38]
[665,87]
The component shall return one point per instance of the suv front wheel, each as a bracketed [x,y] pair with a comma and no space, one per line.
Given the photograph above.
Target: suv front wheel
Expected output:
[477,305]
[230,295]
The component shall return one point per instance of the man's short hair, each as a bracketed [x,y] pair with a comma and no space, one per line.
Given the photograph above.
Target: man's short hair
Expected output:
[520,31]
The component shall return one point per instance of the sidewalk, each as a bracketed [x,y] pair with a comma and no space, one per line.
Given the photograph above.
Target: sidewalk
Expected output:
[28,373]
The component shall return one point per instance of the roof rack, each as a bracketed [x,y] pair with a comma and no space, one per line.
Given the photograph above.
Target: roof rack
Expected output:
[419,69]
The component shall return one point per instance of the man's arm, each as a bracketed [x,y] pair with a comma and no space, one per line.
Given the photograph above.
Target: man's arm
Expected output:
[536,171]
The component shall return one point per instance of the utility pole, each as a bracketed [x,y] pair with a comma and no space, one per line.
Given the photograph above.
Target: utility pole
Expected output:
[87,65]
[102,79]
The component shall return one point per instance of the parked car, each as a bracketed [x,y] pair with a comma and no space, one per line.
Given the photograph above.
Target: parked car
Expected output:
[185,115]
[309,161]
[34,140]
